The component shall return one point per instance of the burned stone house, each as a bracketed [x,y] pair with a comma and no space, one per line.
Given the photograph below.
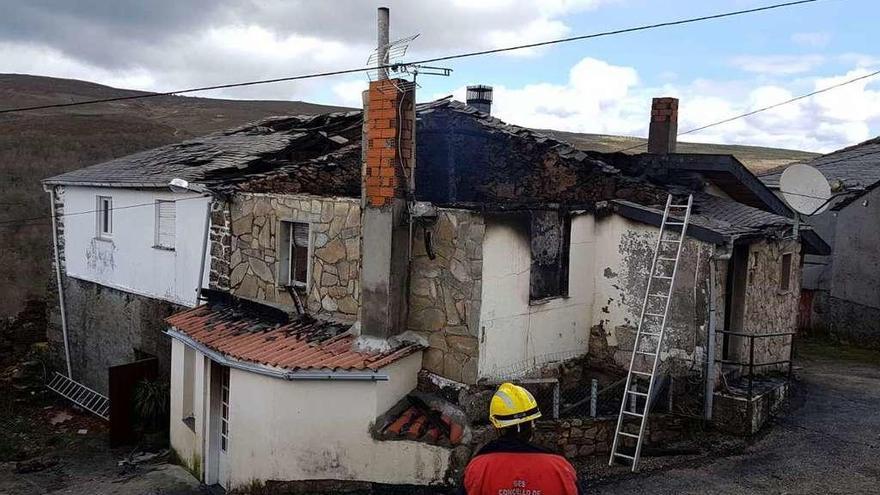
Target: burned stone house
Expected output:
[352,254]
[840,295]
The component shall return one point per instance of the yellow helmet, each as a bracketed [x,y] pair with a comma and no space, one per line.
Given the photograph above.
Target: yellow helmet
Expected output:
[512,405]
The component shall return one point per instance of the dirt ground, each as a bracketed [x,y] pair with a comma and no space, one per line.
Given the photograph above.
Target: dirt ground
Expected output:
[48,447]
[827,441]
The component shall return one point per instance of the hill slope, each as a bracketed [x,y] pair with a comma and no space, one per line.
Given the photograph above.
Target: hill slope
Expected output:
[43,143]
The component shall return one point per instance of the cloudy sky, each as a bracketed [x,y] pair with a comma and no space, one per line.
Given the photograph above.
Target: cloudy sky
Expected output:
[718,68]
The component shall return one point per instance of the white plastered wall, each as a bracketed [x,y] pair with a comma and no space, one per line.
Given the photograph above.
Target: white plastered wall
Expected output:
[186,441]
[516,333]
[127,260]
[609,262]
[305,430]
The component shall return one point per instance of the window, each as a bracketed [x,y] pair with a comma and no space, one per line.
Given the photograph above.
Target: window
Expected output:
[189,379]
[104,217]
[550,237]
[224,408]
[785,277]
[294,254]
[166,213]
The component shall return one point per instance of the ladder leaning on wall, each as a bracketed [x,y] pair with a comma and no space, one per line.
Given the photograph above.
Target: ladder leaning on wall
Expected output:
[635,404]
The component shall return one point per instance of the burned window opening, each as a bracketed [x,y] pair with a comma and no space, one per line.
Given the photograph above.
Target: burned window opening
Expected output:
[550,235]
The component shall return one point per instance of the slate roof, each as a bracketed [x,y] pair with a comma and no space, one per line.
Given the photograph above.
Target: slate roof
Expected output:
[715,219]
[856,167]
[233,157]
[244,333]
[214,157]
[321,155]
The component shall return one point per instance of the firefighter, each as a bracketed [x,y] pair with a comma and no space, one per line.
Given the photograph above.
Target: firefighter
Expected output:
[510,465]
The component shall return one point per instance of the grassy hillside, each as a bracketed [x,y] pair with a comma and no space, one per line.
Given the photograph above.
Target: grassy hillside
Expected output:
[758,159]
[39,144]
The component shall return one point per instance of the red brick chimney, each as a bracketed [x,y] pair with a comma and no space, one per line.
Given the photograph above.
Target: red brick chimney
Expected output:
[388,181]
[663,132]
[389,124]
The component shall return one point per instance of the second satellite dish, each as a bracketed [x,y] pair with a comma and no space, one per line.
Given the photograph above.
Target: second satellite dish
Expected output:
[805,189]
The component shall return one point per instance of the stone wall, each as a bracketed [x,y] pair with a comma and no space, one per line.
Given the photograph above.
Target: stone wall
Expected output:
[586,437]
[768,308]
[737,415]
[445,293]
[108,327]
[253,263]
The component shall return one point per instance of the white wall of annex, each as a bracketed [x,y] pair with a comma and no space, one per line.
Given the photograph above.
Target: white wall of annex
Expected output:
[187,442]
[128,261]
[306,430]
[516,333]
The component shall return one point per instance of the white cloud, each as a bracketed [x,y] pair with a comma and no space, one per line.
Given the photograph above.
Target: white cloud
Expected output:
[603,98]
[348,93]
[234,40]
[594,99]
[777,64]
[813,40]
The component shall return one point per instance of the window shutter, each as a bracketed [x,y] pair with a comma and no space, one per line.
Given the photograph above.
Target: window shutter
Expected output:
[166,213]
[301,234]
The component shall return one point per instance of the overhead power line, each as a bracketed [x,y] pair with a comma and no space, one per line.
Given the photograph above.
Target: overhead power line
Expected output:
[419,62]
[35,220]
[764,109]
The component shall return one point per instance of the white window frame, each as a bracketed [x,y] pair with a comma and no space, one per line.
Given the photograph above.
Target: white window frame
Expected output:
[104,216]
[286,245]
[224,409]
[156,238]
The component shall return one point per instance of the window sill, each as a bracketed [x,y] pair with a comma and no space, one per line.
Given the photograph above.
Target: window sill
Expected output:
[298,286]
[545,300]
[103,238]
[163,248]
[190,422]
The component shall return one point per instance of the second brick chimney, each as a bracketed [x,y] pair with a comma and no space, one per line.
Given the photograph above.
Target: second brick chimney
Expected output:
[663,131]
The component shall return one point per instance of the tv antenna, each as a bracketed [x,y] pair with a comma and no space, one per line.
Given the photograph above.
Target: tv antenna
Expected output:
[396,51]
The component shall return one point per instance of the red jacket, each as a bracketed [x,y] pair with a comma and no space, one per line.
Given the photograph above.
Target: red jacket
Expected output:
[513,467]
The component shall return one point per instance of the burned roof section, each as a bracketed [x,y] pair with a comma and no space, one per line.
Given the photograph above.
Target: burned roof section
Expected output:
[466,156]
[220,156]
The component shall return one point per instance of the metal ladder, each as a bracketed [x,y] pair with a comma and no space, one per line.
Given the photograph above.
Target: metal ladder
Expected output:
[636,403]
[80,395]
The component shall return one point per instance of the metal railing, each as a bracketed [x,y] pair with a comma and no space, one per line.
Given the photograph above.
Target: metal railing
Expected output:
[751,361]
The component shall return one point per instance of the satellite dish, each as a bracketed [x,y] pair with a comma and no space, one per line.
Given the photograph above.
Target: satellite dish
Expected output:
[805,189]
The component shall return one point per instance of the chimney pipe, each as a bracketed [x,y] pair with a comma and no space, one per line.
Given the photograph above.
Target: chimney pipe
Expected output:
[663,131]
[384,22]
[480,97]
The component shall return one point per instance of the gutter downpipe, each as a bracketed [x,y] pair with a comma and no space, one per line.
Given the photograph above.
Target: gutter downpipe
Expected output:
[204,248]
[271,372]
[61,306]
[710,343]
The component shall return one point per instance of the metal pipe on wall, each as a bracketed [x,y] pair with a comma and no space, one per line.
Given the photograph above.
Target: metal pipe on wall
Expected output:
[61,306]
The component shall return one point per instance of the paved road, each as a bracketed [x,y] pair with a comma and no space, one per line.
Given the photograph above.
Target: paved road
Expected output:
[827,443]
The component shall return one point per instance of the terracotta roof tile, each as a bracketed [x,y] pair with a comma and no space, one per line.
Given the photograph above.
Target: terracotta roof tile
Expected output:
[303,344]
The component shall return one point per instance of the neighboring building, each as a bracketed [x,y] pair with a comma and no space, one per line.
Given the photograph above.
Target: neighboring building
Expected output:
[344,259]
[841,292]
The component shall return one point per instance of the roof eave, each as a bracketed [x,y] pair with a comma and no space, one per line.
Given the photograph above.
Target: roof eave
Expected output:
[261,369]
